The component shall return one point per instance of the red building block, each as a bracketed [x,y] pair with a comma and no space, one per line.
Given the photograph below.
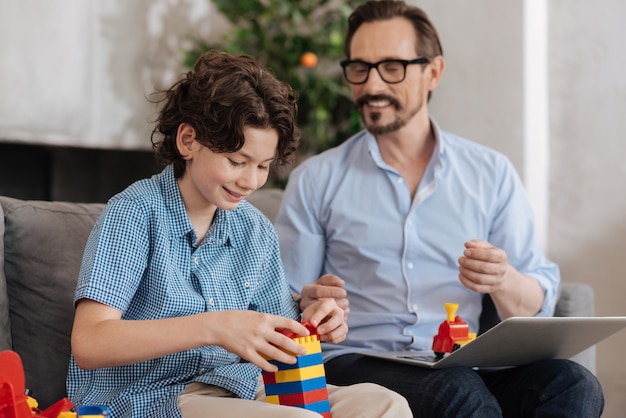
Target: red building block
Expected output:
[14,403]
[304,384]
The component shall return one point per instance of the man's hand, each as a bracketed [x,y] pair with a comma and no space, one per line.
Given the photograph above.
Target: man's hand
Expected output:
[483,268]
[328,318]
[327,286]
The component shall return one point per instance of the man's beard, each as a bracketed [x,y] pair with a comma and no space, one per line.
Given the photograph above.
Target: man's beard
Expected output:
[375,129]
[382,129]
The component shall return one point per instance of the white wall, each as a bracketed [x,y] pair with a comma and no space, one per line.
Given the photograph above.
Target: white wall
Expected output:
[77,72]
[482,96]
[588,174]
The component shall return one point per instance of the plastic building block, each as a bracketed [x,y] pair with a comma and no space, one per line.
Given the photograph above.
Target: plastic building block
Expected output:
[303,373]
[14,402]
[300,398]
[453,332]
[302,384]
[63,406]
[93,411]
[296,386]
[301,361]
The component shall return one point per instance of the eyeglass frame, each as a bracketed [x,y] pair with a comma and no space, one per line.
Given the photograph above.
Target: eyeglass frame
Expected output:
[344,64]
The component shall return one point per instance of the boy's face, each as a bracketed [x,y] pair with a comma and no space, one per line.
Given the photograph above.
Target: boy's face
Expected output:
[221,180]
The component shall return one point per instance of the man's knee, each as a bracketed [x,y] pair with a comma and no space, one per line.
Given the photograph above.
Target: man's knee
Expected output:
[565,386]
[568,373]
[583,382]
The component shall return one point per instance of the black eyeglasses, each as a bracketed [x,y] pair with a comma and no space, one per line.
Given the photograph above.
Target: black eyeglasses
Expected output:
[390,71]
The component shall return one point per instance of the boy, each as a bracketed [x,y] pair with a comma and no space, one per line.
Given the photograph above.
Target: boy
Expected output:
[181,290]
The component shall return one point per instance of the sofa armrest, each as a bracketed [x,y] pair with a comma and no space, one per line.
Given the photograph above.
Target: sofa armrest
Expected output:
[43,248]
[575,299]
[5,326]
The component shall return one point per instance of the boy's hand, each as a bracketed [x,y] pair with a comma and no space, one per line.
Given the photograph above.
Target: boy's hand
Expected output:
[252,334]
[329,320]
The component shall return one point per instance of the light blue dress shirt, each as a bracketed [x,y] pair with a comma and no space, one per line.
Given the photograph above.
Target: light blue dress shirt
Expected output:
[346,212]
[141,258]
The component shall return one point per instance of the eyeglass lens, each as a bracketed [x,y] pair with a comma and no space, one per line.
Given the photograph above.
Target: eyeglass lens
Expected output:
[389,71]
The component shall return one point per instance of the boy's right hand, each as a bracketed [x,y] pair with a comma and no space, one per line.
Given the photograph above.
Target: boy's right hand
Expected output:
[251,335]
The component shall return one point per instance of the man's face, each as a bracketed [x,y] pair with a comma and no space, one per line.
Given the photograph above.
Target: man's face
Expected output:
[386,107]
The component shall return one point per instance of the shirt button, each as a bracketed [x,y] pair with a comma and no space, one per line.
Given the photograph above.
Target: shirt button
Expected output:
[409,266]
[400,180]
[201,371]
[414,306]
[246,284]
[211,302]
[195,260]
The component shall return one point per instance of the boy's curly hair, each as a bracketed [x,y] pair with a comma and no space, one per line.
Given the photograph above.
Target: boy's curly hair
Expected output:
[220,96]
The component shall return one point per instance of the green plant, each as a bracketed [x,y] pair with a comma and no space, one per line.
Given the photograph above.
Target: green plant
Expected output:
[278,33]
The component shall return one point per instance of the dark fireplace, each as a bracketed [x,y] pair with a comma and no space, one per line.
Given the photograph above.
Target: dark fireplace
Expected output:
[43,172]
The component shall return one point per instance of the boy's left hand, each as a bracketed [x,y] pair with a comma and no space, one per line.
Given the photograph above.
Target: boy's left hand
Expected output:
[329,319]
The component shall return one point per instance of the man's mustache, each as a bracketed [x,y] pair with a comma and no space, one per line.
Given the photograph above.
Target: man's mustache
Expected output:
[361,101]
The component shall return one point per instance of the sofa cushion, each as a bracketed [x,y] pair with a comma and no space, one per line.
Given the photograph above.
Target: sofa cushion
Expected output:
[43,247]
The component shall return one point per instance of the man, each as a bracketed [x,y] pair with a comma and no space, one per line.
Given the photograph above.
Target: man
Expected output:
[405,216]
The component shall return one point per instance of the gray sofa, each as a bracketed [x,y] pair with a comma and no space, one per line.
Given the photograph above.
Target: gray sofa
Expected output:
[40,254]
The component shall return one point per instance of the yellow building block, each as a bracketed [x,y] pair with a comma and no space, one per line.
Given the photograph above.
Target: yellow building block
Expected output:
[302,373]
[311,343]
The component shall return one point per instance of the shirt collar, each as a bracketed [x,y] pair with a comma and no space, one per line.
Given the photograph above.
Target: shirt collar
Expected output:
[219,232]
[181,226]
[435,161]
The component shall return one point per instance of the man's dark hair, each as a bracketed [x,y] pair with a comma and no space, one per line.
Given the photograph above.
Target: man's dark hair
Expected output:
[221,95]
[428,44]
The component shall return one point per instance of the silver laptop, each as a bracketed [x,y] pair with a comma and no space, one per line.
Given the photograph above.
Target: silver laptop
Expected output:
[517,341]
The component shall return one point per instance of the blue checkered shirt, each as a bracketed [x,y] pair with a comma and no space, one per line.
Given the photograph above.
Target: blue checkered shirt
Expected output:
[141,259]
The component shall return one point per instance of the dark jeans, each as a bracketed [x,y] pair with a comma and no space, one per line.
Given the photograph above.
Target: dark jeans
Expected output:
[549,388]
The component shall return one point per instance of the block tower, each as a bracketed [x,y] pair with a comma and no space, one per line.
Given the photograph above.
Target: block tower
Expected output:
[302,384]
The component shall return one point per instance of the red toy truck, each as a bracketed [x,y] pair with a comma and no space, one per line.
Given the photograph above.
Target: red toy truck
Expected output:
[453,332]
